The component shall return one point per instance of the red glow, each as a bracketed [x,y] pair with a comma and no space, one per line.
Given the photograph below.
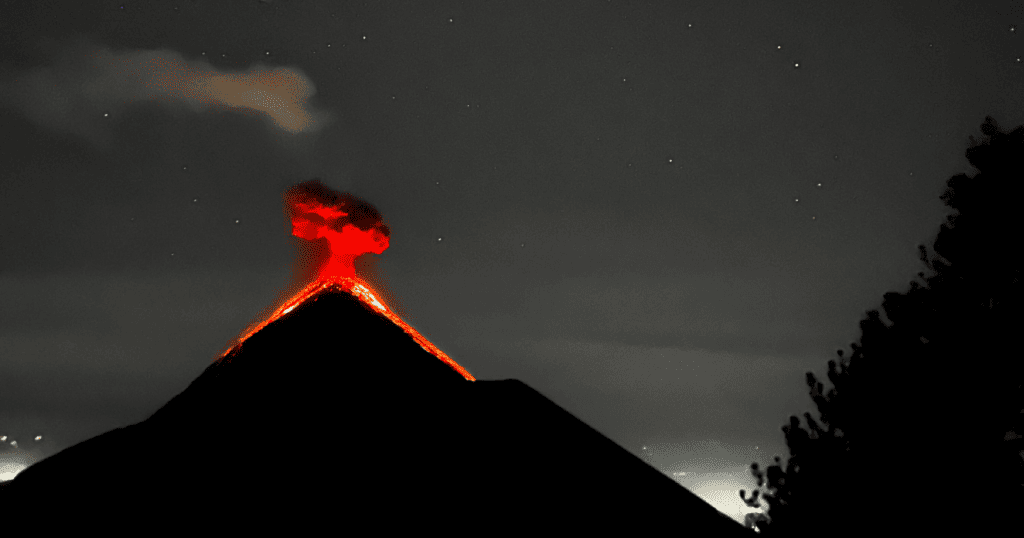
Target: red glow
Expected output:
[311,223]
[316,212]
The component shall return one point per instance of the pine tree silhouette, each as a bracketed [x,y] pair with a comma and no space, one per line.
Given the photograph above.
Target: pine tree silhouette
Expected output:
[931,397]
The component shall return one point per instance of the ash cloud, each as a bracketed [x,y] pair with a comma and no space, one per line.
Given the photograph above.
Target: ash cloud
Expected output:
[303,197]
[314,201]
[81,81]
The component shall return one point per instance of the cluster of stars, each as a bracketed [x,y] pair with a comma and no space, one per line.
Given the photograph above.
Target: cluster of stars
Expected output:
[1013,30]
[268,53]
[778,47]
[796,65]
[195,201]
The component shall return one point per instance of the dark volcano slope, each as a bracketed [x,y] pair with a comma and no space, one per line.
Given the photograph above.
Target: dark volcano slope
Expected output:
[332,417]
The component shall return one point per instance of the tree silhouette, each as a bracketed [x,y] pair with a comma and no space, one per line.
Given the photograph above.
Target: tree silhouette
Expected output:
[930,397]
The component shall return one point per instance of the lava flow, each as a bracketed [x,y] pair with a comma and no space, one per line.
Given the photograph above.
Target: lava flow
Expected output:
[352,228]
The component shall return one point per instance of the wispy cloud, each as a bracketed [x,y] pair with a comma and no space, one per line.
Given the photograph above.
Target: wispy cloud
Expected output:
[82,83]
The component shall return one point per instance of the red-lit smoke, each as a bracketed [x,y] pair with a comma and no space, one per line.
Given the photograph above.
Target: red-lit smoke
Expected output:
[351,227]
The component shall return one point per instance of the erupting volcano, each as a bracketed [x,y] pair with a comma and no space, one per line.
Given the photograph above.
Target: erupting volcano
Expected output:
[332,413]
[352,227]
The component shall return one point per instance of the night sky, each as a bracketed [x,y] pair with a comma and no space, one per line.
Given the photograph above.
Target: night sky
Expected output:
[658,214]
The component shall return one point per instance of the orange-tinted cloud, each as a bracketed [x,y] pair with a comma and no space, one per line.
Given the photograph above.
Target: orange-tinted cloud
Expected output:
[82,81]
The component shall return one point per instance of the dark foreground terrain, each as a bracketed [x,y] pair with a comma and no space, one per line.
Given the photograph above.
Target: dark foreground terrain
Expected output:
[332,419]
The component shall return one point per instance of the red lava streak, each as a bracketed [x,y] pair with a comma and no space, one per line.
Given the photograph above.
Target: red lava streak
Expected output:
[352,228]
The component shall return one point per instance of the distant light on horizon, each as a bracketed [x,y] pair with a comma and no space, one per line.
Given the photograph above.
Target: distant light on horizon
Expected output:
[717,488]
[10,469]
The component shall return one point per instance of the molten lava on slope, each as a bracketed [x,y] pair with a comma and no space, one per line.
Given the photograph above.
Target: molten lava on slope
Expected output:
[352,227]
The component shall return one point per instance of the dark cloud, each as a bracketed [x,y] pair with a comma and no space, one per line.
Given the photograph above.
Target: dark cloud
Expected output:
[336,208]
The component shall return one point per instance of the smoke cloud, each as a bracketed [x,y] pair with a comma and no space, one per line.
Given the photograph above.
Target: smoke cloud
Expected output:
[83,83]
[336,208]
[325,218]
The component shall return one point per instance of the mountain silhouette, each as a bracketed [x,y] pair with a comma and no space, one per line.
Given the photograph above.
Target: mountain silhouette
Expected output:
[333,417]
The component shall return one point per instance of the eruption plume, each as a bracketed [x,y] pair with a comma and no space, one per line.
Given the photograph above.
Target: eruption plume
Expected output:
[351,227]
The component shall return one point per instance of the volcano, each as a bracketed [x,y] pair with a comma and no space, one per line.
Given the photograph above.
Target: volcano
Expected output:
[333,414]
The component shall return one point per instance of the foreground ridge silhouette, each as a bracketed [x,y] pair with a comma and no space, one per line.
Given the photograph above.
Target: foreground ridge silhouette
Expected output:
[333,417]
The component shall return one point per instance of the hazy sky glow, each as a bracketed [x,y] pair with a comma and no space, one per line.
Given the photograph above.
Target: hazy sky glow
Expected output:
[659,215]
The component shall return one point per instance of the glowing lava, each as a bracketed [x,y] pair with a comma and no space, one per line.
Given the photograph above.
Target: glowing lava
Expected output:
[352,228]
